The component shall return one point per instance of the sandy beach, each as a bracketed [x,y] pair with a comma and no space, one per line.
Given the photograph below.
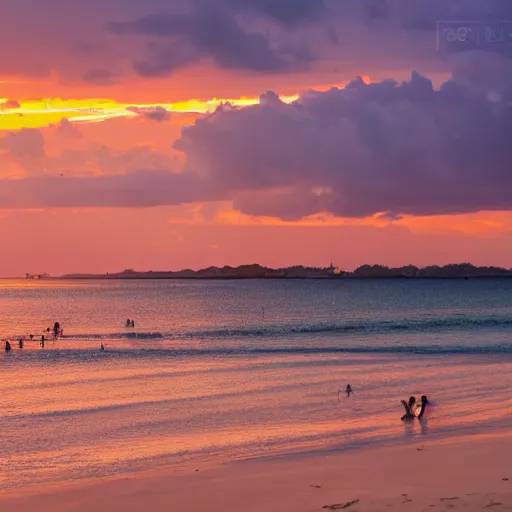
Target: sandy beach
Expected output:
[463,474]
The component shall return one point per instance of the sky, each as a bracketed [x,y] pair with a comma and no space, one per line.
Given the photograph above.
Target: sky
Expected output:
[170,134]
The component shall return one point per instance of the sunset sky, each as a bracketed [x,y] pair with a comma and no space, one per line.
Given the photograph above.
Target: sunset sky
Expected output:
[169,134]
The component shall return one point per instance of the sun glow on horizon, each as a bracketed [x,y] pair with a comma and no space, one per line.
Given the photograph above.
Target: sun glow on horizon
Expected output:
[40,112]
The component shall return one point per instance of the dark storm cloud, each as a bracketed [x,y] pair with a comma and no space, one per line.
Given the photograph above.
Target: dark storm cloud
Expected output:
[209,30]
[288,12]
[92,40]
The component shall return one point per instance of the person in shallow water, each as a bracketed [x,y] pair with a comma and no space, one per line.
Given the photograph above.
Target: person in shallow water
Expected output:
[423,405]
[410,408]
[133,323]
[128,322]
[7,346]
[102,348]
[20,342]
[56,328]
[348,391]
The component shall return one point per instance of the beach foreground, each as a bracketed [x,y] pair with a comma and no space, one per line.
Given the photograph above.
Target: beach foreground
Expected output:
[463,474]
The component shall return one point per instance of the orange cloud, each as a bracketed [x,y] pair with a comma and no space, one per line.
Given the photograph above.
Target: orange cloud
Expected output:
[482,224]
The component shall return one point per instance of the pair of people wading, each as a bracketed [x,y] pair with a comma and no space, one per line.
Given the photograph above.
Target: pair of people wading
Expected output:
[411,408]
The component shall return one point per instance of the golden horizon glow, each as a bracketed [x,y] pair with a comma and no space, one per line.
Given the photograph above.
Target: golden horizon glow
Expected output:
[41,112]
[47,111]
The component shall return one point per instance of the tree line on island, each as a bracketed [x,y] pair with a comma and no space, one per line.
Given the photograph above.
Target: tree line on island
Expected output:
[460,270]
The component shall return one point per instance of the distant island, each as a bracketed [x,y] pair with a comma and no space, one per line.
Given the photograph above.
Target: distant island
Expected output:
[453,271]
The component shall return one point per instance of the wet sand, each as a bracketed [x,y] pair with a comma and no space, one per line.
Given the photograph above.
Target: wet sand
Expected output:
[459,474]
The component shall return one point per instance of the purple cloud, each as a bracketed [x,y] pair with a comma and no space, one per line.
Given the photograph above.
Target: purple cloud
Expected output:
[261,36]
[99,76]
[27,142]
[133,189]
[210,29]
[384,148]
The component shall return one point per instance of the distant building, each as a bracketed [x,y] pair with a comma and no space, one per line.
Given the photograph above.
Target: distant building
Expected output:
[334,271]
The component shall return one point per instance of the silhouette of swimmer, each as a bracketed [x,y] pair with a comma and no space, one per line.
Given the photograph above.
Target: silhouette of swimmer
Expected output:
[133,323]
[20,342]
[42,340]
[56,328]
[128,322]
[7,346]
[31,336]
[102,347]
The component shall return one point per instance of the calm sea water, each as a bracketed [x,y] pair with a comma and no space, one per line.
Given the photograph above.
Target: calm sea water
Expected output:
[222,370]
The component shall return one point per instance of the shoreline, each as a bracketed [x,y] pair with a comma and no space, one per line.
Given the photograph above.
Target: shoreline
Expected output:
[102,277]
[274,278]
[462,472]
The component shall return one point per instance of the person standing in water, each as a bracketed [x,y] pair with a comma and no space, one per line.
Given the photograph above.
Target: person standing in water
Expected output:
[423,405]
[42,340]
[7,346]
[348,391]
[133,323]
[20,342]
[409,411]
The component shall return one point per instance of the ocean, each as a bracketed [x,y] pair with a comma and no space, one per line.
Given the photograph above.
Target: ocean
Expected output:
[216,371]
